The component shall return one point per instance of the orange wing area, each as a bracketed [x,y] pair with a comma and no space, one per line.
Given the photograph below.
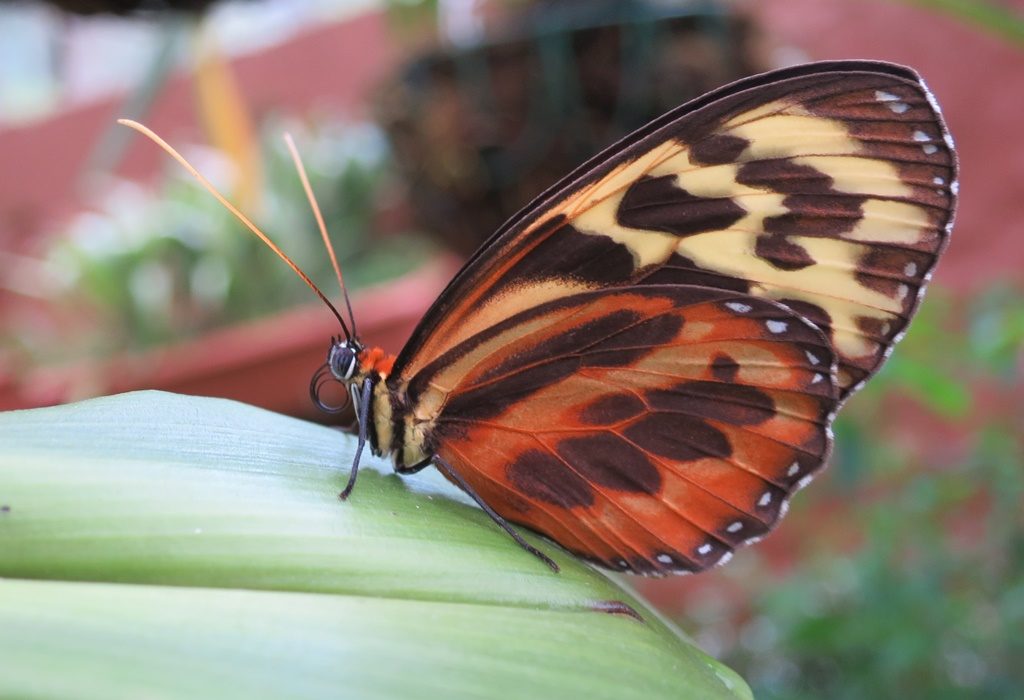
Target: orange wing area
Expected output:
[828,187]
[651,429]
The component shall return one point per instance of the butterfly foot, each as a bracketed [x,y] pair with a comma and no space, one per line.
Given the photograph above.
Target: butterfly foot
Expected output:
[347,491]
[544,558]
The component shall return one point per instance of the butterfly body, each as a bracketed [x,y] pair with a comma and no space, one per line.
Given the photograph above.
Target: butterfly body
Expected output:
[645,362]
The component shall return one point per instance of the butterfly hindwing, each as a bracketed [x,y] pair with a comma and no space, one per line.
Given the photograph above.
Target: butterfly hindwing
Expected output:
[652,428]
[828,187]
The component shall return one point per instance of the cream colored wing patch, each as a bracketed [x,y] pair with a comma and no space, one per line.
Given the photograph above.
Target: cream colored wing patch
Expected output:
[829,189]
[842,219]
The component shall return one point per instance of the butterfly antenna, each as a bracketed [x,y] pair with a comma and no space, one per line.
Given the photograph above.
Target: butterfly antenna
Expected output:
[320,223]
[148,133]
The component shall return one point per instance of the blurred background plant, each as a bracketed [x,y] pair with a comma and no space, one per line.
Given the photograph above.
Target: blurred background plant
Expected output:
[900,572]
[150,267]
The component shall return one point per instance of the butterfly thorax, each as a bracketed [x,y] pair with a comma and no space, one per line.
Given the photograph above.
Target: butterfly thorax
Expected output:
[375,361]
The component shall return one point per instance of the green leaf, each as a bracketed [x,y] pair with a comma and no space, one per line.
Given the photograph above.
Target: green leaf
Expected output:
[170,546]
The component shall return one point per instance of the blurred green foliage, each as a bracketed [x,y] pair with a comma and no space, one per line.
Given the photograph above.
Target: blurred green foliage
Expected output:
[146,268]
[928,602]
[951,345]
[999,18]
[931,607]
[411,14]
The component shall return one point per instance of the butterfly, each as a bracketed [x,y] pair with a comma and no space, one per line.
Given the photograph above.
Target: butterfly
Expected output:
[644,363]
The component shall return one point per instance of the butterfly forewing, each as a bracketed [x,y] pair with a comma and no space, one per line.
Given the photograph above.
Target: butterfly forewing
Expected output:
[829,188]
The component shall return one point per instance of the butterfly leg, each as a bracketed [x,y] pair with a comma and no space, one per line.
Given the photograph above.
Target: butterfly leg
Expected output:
[363,416]
[501,522]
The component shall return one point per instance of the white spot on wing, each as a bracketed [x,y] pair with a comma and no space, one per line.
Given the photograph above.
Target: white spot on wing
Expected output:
[948,138]
[892,101]
[935,108]
[738,307]
[734,527]
[929,148]
[929,96]
[812,358]
[817,378]
[902,291]
[794,469]
[783,509]
[921,137]
[664,559]
[704,549]
[938,180]
[776,326]
[910,270]
[765,499]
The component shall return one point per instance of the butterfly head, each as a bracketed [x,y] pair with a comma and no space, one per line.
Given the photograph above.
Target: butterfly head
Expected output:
[348,363]
[342,366]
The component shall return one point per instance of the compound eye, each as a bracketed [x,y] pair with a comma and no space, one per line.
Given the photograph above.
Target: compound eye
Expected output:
[343,361]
